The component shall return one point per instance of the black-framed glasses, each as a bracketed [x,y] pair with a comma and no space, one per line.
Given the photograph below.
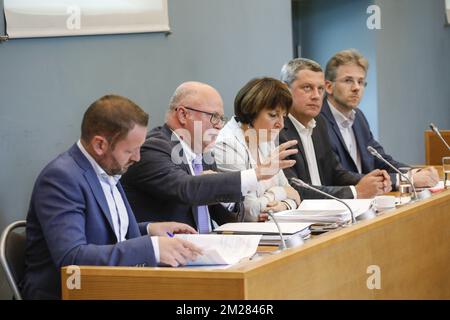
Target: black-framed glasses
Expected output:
[215,119]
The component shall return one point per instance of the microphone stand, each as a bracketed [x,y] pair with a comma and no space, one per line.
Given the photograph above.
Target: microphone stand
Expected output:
[283,242]
[375,153]
[292,242]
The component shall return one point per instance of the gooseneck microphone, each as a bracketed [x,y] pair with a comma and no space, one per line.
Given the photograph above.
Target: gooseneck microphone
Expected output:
[376,154]
[293,241]
[438,133]
[303,184]
[283,242]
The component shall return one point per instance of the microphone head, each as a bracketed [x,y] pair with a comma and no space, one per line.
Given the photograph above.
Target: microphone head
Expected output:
[372,151]
[297,181]
[433,127]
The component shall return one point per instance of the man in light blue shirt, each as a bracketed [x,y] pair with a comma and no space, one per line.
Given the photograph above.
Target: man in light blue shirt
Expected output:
[79,214]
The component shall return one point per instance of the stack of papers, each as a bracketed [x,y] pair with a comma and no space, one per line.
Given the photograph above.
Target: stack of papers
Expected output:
[325,211]
[222,249]
[268,230]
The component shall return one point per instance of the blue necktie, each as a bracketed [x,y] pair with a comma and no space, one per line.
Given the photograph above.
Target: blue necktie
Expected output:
[202,211]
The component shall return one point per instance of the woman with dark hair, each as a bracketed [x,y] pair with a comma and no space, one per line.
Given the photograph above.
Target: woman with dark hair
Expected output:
[248,140]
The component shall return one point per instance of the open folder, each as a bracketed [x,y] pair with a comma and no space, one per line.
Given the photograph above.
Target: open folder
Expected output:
[222,249]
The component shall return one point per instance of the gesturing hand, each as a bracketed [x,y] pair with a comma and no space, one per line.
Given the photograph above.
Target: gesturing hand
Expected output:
[276,161]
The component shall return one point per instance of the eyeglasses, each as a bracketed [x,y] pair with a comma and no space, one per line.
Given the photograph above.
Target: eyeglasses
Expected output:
[215,119]
[349,81]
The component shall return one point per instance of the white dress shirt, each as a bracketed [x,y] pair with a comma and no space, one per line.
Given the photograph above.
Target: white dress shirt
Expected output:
[248,177]
[345,126]
[305,134]
[116,205]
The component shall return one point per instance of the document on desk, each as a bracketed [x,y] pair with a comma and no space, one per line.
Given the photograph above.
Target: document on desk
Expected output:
[221,249]
[261,228]
[325,211]
[268,230]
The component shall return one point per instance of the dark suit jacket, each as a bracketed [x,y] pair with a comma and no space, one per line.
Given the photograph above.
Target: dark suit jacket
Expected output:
[364,138]
[69,223]
[161,190]
[335,179]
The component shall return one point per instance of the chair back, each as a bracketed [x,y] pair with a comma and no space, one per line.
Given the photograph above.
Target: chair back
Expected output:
[12,255]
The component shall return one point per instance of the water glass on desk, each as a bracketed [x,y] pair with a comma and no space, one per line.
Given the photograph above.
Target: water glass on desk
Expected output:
[446,170]
[404,185]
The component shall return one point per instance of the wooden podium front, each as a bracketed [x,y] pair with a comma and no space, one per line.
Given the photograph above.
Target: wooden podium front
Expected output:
[435,149]
[409,246]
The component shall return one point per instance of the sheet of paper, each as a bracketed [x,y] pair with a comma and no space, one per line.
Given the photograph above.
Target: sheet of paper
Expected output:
[222,249]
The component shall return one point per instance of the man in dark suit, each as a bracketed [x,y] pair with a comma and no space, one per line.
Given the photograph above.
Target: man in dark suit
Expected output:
[348,128]
[176,177]
[316,163]
[79,214]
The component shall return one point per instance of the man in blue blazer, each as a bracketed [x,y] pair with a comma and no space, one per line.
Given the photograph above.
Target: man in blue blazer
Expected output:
[79,214]
[348,128]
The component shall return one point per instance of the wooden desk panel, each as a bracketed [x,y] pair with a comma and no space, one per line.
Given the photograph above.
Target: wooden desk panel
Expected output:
[435,148]
[411,245]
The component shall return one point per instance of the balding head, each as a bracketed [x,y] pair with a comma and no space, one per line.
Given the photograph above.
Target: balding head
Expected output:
[192,92]
[196,105]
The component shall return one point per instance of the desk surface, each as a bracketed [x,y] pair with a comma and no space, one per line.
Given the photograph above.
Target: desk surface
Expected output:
[409,245]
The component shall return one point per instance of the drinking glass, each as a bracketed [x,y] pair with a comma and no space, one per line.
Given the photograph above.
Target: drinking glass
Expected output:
[446,170]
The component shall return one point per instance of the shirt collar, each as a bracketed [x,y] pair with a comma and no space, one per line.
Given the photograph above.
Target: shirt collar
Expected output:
[300,127]
[341,119]
[112,180]
[190,155]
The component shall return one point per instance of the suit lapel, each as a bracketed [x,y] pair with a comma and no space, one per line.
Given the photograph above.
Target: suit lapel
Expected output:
[292,134]
[97,190]
[133,228]
[317,143]
[335,127]
[93,182]
[184,164]
[358,132]
[176,144]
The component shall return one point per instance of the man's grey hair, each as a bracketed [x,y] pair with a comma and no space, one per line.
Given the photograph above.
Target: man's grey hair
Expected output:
[290,70]
[179,95]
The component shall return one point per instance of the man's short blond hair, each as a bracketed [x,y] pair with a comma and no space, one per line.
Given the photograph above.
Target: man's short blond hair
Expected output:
[345,57]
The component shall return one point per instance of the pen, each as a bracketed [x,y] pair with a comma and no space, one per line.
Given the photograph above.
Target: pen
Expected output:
[170,234]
